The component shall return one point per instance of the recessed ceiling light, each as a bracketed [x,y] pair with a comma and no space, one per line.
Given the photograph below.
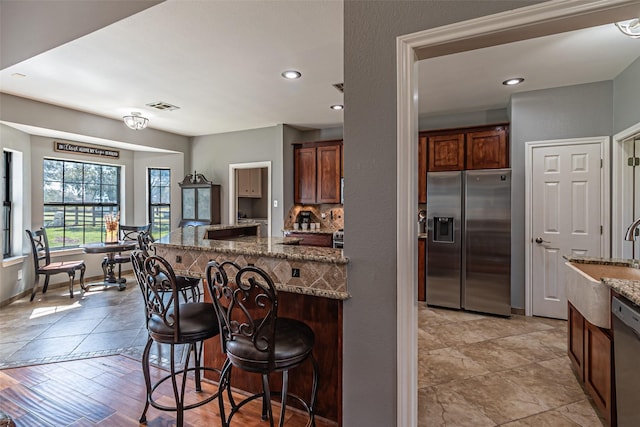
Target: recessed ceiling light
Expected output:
[291,74]
[512,82]
[337,107]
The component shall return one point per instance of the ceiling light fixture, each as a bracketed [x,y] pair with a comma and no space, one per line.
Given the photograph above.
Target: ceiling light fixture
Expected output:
[135,121]
[630,27]
[512,82]
[291,74]
[337,107]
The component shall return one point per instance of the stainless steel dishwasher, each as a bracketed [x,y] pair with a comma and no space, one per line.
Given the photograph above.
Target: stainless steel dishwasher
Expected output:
[626,349]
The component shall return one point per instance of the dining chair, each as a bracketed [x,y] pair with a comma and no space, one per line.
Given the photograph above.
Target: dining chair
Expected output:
[255,339]
[172,323]
[43,265]
[127,233]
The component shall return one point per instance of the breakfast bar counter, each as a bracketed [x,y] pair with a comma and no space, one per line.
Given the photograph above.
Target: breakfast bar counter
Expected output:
[311,284]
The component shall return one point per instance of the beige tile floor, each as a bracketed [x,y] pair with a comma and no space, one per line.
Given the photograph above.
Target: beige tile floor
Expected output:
[102,321]
[477,371]
[474,370]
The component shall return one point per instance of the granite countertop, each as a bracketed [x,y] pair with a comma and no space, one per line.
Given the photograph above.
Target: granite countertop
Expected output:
[629,289]
[277,247]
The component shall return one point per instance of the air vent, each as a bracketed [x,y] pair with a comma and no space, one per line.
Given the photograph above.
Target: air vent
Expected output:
[162,106]
[339,86]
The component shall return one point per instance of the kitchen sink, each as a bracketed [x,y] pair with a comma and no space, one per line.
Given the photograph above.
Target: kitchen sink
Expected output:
[589,295]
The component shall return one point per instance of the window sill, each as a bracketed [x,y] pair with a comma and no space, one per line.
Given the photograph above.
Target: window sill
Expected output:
[15,260]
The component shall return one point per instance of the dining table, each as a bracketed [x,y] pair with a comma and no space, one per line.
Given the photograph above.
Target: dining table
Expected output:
[108,263]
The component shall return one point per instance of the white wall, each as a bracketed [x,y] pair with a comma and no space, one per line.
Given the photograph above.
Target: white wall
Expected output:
[9,284]
[212,154]
[142,161]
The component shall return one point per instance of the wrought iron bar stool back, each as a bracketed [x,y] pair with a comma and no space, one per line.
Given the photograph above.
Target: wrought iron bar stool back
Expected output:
[127,233]
[172,323]
[189,287]
[255,339]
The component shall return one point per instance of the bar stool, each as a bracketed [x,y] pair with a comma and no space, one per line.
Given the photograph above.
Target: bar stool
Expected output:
[189,287]
[171,322]
[255,339]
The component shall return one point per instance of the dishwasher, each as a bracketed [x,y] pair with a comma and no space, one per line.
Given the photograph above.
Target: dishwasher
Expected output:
[626,349]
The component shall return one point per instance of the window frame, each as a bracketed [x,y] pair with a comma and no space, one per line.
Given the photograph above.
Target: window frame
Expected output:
[102,206]
[156,232]
[7,203]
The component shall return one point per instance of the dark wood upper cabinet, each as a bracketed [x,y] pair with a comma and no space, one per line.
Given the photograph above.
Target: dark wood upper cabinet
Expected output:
[478,147]
[304,175]
[446,152]
[487,149]
[422,170]
[317,172]
[328,169]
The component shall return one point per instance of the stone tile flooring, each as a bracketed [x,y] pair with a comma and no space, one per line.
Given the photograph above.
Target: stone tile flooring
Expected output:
[474,370]
[102,321]
[477,370]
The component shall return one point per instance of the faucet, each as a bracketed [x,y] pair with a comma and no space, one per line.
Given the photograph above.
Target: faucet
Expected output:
[631,231]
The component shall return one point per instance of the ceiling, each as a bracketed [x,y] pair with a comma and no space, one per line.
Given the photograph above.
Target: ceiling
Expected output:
[221,61]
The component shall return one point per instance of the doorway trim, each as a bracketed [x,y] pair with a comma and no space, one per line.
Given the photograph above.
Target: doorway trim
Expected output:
[233,199]
[523,23]
[603,141]
[620,218]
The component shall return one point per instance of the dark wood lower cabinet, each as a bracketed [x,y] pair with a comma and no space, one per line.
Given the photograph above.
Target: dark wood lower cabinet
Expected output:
[575,344]
[590,349]
[324,240]
[422,269]
[324,316]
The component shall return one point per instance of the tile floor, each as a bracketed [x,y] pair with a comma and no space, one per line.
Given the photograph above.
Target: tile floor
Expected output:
[480,371]
[474,370]
[102,321]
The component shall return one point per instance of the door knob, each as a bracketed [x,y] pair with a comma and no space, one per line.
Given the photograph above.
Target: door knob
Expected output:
[539,240]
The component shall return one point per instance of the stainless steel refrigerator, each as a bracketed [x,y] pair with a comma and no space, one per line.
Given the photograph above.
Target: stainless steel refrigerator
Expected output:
[469,240]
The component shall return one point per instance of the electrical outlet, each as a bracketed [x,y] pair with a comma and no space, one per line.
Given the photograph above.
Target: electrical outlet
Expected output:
[295,272]
[324,215]
[178,258]
[20,274]
[275,203]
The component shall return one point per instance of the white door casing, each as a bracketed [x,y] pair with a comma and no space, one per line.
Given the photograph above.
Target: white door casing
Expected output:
[566,201]
[233,199]
[623,195]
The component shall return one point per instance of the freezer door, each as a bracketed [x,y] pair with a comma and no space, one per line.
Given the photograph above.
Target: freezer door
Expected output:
[487,254]
[444,198]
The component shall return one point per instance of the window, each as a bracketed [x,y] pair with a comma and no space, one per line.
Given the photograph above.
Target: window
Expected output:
[77,196]
[7,196]
[160,201]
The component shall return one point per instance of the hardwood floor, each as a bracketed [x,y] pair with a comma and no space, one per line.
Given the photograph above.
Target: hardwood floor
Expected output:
[108,391]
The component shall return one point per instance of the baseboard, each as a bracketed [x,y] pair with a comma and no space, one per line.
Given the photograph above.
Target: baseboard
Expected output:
[65,284]
[519,311]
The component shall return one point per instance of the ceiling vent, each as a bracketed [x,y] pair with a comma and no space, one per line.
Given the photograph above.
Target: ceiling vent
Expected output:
[339,86]
[162,106]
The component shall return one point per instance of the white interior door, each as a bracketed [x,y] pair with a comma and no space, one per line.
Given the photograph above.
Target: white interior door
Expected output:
[566,218]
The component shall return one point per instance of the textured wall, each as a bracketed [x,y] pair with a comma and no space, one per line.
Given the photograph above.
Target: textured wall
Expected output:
[560,113]
[370,31]
[626,98]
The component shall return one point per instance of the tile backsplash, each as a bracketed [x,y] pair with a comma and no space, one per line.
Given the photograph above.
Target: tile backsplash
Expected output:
[333,220]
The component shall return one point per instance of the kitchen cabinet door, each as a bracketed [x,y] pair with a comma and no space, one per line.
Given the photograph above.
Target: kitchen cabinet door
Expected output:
[487,149]
[328,170]
[575,341]
[422,170]
[422,269]
[250,183]
[446,152]
[324,240]
[598,372]
[304,175]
